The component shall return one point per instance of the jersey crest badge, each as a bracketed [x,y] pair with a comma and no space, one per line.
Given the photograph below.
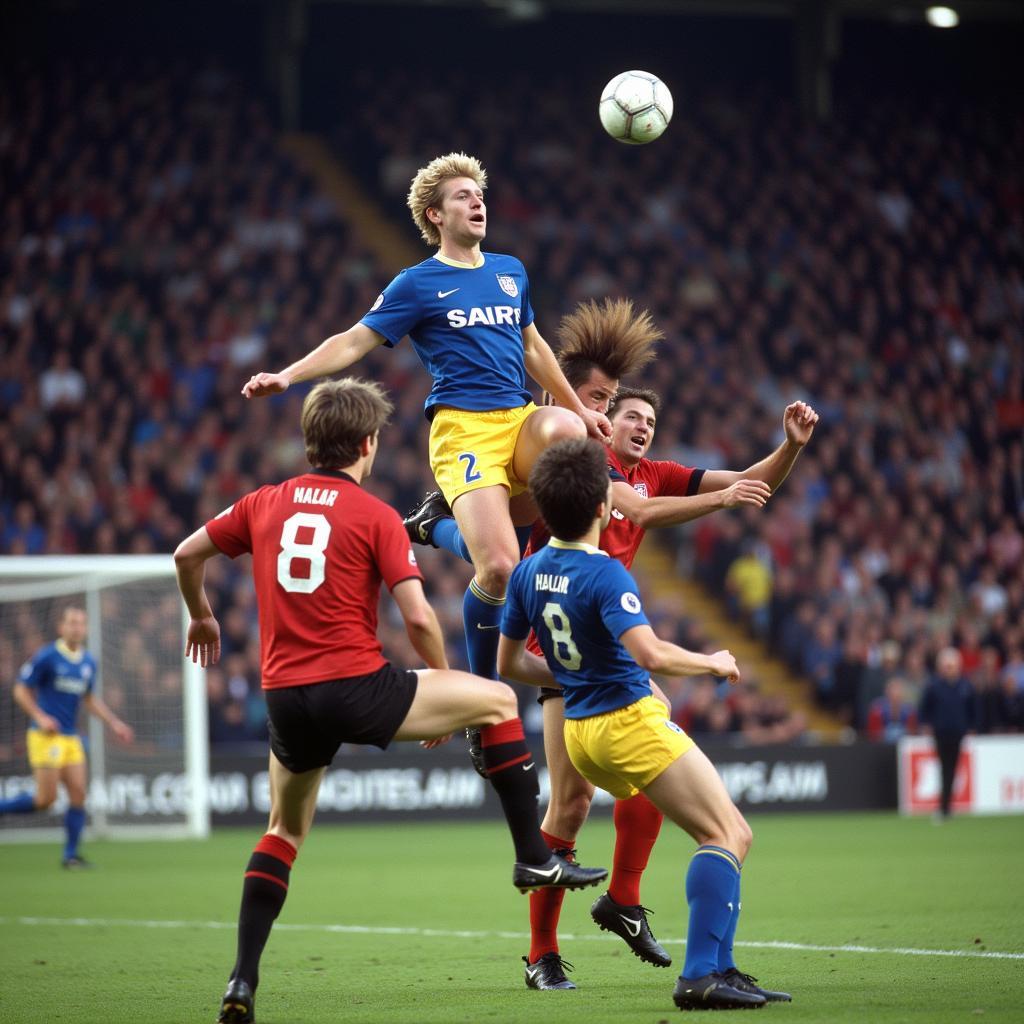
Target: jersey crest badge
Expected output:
[508,284]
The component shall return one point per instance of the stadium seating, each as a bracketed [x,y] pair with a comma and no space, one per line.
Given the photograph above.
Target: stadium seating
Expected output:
[159,245]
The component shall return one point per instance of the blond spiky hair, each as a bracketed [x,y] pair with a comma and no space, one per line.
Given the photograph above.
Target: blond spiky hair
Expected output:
[608,335]
[425,190]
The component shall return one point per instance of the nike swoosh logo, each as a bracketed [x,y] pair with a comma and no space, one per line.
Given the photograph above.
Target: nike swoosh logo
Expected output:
[632,926]
[444,295]
[481,626]
[527,767]
[553,873]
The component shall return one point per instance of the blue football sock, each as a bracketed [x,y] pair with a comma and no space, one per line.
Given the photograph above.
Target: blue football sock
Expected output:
[523,536]
[23,803]
[481,615]
[710,890]
[446,534]
[74,822]
[726,960]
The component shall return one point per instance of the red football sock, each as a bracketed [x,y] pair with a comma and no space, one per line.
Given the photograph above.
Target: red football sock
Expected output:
[637,824]
[545,909]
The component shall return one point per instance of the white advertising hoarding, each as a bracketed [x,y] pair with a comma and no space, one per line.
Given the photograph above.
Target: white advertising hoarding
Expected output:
[989,776]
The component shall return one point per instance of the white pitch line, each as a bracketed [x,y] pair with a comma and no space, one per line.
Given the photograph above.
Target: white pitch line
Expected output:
[441,933]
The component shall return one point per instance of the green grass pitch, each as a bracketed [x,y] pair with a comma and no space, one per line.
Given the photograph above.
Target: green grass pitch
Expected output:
[413,924]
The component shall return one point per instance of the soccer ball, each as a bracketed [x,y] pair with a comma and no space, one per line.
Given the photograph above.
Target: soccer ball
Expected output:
[635,107]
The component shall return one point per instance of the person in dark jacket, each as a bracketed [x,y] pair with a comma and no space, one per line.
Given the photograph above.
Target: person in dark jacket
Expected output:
[948,713]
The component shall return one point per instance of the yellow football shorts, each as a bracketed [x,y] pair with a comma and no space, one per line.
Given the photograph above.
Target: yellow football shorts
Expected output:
[470,450]
[624,751]
[53,751]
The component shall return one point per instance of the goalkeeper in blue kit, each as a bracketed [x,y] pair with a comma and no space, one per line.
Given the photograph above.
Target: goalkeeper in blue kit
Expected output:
[600,649]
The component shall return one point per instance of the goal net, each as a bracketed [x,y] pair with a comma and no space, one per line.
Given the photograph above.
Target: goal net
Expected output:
[156,786]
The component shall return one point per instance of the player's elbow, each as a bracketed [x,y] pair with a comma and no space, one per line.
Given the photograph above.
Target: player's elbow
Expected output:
[510,664]
[642,517]
[648,657]
[185,555]
[418,620]
[506,662]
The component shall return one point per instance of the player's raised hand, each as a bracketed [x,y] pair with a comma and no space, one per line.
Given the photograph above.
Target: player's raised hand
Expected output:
[799,421]
[746,492]
[724,664]
[202,644]
[598,426]
[261,384]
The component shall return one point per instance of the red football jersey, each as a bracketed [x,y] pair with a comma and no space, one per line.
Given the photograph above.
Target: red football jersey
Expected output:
[621,538]
[650,478]
[321,546]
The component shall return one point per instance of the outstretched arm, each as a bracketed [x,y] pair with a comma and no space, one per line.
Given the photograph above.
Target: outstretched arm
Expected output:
[202,643]
[334,354]
[543,367]
[798,421]
[671,511]
[656,655]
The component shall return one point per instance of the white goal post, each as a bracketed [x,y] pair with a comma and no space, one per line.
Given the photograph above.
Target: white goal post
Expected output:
[158,786]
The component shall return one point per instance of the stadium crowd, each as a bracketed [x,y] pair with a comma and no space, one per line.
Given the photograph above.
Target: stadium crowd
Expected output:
[159,245]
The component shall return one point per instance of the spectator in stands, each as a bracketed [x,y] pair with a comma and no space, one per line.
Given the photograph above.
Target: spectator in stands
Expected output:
[947,714]
[1011,710]
[762,719]
[892,716]
[748,583]
[900,317]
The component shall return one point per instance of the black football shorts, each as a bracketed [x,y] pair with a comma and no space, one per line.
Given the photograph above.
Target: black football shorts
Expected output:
[308,723]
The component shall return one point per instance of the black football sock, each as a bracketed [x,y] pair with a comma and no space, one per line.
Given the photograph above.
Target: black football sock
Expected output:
[511,771]
[263,894]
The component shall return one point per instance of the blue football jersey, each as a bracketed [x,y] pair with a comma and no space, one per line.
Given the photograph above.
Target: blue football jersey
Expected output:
[60,678]
[579,602]
[466,324]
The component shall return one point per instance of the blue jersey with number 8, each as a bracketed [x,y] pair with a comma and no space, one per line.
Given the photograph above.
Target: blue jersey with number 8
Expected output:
[579,602]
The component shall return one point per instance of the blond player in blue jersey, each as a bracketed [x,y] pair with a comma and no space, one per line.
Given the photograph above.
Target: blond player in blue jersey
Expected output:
[469,317]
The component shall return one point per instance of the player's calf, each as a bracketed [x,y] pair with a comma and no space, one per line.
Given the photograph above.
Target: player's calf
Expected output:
[511,771]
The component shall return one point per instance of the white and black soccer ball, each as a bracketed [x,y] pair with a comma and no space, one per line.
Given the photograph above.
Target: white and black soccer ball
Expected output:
[635,107]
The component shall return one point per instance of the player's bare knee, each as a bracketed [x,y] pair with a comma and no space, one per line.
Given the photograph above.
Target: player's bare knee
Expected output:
[44,799]
[501,705]
[492,575]
[567,427]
